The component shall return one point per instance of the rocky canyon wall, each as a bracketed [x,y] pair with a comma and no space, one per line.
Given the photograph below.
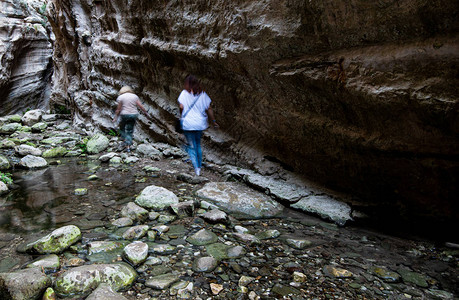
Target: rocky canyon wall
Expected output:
[358,95]
[25,55]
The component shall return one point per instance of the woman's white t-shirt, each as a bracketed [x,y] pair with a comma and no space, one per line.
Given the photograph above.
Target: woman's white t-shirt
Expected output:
[196,118]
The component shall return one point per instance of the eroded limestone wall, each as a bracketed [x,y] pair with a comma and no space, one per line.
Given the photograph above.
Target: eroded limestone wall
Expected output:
[357,95]
[25,55]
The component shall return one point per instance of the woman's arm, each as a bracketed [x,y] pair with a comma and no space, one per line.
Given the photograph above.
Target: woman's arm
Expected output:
[117,112]
[210,114]
[141,107]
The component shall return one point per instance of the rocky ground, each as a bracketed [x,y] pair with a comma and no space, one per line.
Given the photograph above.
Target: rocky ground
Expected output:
[171,235]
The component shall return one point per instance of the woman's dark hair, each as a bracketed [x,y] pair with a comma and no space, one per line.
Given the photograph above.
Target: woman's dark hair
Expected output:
[192,84]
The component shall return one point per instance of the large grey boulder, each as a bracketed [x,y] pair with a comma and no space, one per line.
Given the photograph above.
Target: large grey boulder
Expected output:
[119,276]
[156,198]
[23,284]
[326,207]
[280,189]
[33,162]
[239,200]
[4,163]
[55,242]
[149,151]
[97,144]
[24,150]
[31,117]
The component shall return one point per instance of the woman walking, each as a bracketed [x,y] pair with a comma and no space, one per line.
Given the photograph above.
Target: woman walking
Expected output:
[127,108]
[195,110]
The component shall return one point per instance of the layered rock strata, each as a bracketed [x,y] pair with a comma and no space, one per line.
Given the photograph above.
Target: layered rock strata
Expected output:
[357,95]
[25,55]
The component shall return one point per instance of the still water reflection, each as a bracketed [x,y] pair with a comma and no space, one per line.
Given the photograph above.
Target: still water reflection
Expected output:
[45,199]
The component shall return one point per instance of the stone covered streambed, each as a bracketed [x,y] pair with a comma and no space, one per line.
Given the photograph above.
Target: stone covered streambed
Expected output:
[138,226]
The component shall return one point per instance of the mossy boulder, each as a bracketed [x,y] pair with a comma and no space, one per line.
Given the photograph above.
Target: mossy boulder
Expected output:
[97,144]
[55,152]
[39,127]
[4,163]
[55,242]
[10,128]
[119,276]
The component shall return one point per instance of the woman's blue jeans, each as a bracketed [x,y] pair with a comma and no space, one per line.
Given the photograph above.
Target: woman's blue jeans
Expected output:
[193,147]
[127,124]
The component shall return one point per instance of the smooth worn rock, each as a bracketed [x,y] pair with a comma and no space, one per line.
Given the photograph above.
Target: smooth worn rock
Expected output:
[280,189]
[106,157]
[215,216]
[202,237]
[31,117]
[55,152]
[33,162]
[24,284]
[122,222]
[116,160]
[298,243]
[268,234]
[163,249]
[385,274]
[103,246]
[105,292]
[55,242]
[183,209]
[239,200]
[56,140]
[246,238]
[326,207]
[136,232]
[134,212]
[413,277]
[6,144]
[205,264]
[24,150]
[10,128]
[156,198]
[97,143]
[161,282]
[81,191]
[49,262]
[119,276]
[149,151]
[49,117]
[335,272]
[136,252]
[39,127]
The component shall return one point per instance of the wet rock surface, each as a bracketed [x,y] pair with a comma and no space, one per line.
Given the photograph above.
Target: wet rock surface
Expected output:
[199,249]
